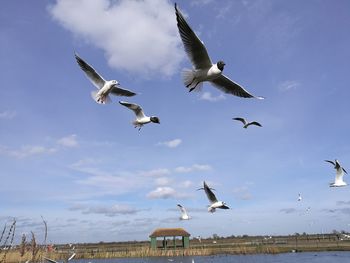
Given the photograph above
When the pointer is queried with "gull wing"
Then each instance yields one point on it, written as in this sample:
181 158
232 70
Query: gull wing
344 170
212 198
194 47
330 162
240 119
255 123
90 72
226 85
119 91
224 207
71 257
135 108
183 210
50 260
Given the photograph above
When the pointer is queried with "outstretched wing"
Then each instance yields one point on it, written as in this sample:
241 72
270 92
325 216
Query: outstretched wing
119 91
255 123
226 85
50 260
134 107
90 72
194 47
71 257
212 198
240 119
330 162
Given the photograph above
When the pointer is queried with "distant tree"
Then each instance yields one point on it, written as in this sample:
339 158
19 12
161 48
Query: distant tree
215 236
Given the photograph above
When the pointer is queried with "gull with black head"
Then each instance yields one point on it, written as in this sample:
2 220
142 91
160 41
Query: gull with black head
214 203
204 69
141 118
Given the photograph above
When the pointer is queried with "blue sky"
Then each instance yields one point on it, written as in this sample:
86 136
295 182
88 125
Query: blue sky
93 177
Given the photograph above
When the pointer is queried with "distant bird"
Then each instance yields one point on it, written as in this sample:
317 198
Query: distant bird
212 199
141 118
299 197
105 87
204 69
339 174
184 215
308 209
246 123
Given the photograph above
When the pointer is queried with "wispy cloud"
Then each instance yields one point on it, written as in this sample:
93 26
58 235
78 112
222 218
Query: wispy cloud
68 141
155 172
288 85
162 193
105 210
26 151
343 202
288 210
171 144
193 168
7 115
209 97
148 21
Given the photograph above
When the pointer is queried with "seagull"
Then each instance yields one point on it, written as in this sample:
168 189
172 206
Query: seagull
141 118
54 261
339 174
184 215
213 200
204 69
246 123
299 197
105 87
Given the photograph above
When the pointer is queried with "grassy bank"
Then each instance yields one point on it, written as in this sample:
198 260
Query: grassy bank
239 245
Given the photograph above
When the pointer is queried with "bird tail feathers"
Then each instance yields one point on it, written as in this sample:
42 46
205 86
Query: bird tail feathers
189 79
100 99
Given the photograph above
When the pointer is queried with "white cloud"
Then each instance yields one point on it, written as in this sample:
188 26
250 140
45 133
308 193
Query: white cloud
68 141
136 36
162 193
7 115
209 97
155 172
193 168
288 85
171 144
26 151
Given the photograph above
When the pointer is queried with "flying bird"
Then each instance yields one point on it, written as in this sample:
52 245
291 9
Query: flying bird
339 174
204 69
214 203
105 87
184 215
246 123
299 197
141 118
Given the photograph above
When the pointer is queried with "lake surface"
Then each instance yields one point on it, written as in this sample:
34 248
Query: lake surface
319 257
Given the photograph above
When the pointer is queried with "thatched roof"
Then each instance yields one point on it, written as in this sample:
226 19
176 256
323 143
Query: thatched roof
169 232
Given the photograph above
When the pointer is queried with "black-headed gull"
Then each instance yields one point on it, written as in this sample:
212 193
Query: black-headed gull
184 215
246 123
105 87
141 118
204 69
339 174
214 203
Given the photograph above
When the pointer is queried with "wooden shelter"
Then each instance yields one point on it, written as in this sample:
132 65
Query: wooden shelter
166 243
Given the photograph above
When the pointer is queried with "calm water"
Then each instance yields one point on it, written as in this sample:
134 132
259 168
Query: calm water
320 257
